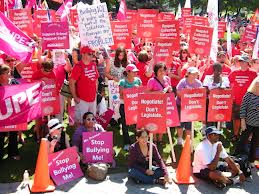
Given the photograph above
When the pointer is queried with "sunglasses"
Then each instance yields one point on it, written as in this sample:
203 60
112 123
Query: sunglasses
9 60
48 70
91 119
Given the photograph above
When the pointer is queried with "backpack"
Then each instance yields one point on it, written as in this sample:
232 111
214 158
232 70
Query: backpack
244 164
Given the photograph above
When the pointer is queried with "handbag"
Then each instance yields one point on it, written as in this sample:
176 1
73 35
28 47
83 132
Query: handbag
65 89
97 171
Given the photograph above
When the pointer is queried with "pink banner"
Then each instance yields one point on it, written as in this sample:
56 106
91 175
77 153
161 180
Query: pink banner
19 127
20 103
55 35
64 166
105 118
13 41
63 10
98 147
172 119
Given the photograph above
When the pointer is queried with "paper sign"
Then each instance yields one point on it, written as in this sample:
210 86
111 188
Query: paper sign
74 18
132 14
200 21
19 127
114 94
147 21
152 112
28 70
163 50
64 166
2 6
166 16
105 118
130 97
193 104
220 105
200 41
98 147
55 35
94 25
188 22
121 32
171 111
169 29
22 19
249 35
50 99
221 29
186 12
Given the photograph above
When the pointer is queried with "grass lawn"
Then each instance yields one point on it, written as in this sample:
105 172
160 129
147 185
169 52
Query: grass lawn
12 171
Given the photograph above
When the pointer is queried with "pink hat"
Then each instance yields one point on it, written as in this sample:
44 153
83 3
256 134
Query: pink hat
131 67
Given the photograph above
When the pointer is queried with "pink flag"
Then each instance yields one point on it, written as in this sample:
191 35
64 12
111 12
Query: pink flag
63 11
122 11
20 103
13 41
30 3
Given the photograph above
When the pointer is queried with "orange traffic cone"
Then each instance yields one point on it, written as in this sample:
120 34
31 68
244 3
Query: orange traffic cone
42 182
183 172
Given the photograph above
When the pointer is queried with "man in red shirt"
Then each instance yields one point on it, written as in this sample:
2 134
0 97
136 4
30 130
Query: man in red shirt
240 80
83 84
221 58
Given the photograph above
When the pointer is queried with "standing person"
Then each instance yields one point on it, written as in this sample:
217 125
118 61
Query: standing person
83 84
240 80
249 114
13 153
160 83
138 162
175 72
190 81
131 80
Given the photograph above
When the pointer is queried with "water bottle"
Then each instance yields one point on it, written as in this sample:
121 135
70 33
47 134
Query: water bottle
26 177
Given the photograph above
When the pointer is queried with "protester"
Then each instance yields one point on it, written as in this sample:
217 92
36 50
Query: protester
138 162
13 152
249 114
89 125
115 69
240 80
206 163
184 55
189 82
160 83
175 72
57 138
83 84
130 81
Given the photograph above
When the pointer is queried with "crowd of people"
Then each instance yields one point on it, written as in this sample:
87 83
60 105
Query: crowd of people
86 71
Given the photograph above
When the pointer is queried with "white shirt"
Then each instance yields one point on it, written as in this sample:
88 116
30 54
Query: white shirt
205 153
208 82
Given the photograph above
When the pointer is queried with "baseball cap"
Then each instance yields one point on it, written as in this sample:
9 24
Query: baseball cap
131 67
221 53
54 124
244 58
212 130
192 70
86 49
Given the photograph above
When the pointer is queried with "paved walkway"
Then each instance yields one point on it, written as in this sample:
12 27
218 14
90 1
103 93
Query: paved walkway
119 184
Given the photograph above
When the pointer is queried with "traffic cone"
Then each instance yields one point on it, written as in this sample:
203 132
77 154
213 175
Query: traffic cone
42 182
183 172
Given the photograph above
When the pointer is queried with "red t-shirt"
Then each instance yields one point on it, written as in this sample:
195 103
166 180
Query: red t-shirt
38 75
142 67
226 70
85 76
174 66
240 81
60 73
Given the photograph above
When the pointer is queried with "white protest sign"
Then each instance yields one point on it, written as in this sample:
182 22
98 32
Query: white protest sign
94 25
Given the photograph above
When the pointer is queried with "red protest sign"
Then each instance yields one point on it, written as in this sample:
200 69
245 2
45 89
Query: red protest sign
132 14
193 104
200 21
166 16
163 50
220 105
186 12
49 98
55 35
74 18
22 19
169 29
42 16
64 166
147 21
105 118
172 119
28 70
200 41
221 29
250 34
121 32
2 6
187 24
19 127
130 97
152 112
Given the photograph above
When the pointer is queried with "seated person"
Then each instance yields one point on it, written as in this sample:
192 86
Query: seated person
57 138
206 164
139 162
89 125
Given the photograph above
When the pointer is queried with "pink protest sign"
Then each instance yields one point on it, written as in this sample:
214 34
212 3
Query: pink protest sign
98 147
55 35
64 166
105 118
19 127
50 99
28 70
172 119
